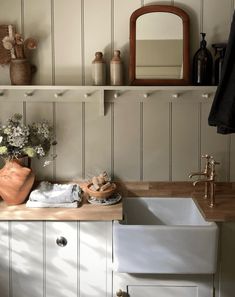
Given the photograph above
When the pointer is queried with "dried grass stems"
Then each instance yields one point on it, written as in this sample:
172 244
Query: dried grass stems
16 44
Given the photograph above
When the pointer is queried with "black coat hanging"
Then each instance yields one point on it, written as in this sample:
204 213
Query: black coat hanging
222 112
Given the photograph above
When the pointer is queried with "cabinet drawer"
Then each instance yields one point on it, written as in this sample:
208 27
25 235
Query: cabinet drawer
163 291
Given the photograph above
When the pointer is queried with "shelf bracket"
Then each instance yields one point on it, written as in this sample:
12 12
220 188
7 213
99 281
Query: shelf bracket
101 103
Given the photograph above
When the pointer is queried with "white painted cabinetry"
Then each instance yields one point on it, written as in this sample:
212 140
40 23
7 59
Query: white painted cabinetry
33 264
137 285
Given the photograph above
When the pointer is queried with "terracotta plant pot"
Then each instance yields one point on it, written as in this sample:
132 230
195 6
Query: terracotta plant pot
16 182
20 72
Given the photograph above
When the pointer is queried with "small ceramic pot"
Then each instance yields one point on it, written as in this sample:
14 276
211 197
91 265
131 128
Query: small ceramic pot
16 181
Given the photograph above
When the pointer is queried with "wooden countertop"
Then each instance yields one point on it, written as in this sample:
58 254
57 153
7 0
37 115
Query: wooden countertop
224 211
86 212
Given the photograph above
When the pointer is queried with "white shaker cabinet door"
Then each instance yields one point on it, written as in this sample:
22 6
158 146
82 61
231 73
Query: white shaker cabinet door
4 259
26 259
95 259
61 259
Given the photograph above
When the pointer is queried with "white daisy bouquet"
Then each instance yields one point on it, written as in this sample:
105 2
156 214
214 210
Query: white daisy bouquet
18 140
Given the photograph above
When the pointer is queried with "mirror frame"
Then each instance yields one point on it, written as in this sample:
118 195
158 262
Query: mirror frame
132 64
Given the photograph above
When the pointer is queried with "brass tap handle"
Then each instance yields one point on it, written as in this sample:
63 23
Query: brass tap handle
206 156
119 293
213 163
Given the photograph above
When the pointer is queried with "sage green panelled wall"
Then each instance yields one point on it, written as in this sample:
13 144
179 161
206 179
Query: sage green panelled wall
154 139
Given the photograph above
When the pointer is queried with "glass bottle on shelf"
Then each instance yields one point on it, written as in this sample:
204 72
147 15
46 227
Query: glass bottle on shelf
202 64
98 70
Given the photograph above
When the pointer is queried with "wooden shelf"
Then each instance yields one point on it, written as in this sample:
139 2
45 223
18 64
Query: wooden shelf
99 94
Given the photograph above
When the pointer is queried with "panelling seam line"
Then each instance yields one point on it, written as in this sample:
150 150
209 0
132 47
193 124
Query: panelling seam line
201 15
10 258
78 259
112 139
170 141
54 146
83 42
199 135
141 140
44 256
112 26
52 42
22 17
83 140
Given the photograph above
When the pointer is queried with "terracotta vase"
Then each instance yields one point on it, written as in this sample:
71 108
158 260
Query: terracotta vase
20 72
16 182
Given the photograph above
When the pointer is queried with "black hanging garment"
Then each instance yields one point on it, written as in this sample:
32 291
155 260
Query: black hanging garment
222 112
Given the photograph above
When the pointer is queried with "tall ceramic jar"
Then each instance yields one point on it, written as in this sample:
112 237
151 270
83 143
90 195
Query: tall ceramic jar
98 70
116 69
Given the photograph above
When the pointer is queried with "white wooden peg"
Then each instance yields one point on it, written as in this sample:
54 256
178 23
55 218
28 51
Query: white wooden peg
86 95
205 95
57 95
146 95
176 95
28 94
116 95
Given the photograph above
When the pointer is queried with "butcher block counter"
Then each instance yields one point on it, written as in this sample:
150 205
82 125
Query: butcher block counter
224 211
86 212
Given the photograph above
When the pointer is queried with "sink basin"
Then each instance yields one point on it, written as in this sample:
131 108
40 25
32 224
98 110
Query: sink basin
164 235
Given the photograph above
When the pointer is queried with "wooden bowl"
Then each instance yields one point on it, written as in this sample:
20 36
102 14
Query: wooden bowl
100 194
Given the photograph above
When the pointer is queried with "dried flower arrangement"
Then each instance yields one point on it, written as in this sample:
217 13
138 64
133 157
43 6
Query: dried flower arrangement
16 44
18 140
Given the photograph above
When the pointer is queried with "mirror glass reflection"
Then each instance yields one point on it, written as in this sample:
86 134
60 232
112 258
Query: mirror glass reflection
159 46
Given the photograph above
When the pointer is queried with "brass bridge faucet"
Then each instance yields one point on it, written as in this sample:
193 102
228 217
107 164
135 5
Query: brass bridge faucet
205 172
209 181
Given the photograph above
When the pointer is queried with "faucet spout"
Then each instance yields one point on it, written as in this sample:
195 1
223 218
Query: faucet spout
201 181
197 174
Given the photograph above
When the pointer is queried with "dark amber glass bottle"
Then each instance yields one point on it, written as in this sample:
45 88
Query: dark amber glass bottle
202 65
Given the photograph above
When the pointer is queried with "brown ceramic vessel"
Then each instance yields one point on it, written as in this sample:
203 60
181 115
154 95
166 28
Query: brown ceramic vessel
16 182
20 72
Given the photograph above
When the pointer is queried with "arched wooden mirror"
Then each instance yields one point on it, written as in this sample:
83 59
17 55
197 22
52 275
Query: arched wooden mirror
159 46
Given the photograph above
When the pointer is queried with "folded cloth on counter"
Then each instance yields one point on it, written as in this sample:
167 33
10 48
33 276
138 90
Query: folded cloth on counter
55 195
38 204
222 112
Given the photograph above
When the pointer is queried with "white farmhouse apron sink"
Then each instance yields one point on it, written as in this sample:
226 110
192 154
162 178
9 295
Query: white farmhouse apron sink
164 235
